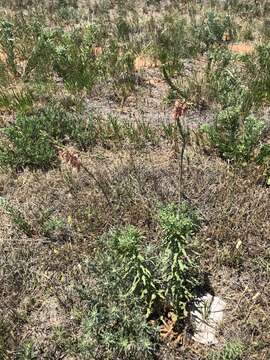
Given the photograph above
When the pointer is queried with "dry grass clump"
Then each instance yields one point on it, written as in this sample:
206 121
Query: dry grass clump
241 48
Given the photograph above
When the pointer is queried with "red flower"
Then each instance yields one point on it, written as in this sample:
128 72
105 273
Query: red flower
179 110
70 157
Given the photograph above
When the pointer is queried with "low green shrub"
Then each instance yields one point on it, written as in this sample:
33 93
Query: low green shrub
235 139
233 350
213 28
117 66
28 141
115 324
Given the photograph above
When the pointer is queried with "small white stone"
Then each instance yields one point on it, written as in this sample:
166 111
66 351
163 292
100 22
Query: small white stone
207 317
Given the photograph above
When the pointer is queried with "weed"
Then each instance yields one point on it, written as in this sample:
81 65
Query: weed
27 351
180 262
235 139
7 44
257 72
233 350
26 142
17 218
118 67
116 322
16 100
213 29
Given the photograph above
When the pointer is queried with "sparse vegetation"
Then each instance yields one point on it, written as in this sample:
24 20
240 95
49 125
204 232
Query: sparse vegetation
134 177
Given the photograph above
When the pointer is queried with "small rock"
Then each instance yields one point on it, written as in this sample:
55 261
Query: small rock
207 317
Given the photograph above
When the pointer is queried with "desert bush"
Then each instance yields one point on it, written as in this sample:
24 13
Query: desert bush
28 141
73 61
40 59
33 141
213 28
115 324
111 330
235 138
223 79
53 226
174 41
68 54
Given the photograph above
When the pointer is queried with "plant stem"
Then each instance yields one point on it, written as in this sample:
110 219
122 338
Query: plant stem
183 135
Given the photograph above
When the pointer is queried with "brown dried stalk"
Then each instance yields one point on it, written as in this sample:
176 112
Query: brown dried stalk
179 111
70 157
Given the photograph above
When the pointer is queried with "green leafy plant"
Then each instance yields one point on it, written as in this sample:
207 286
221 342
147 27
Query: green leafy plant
174 42
236 139
223 79
76 67
233 350
116 321
136 268
110 330
180 261
27 141
134 284
214 27
27 351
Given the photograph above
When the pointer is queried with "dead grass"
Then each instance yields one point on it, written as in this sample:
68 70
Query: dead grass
241 48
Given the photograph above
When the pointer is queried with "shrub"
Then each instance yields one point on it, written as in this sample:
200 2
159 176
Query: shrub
68 54
117 66
113 330
174 42
28 141
136 269
213 29
223 78
235 139
73 61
